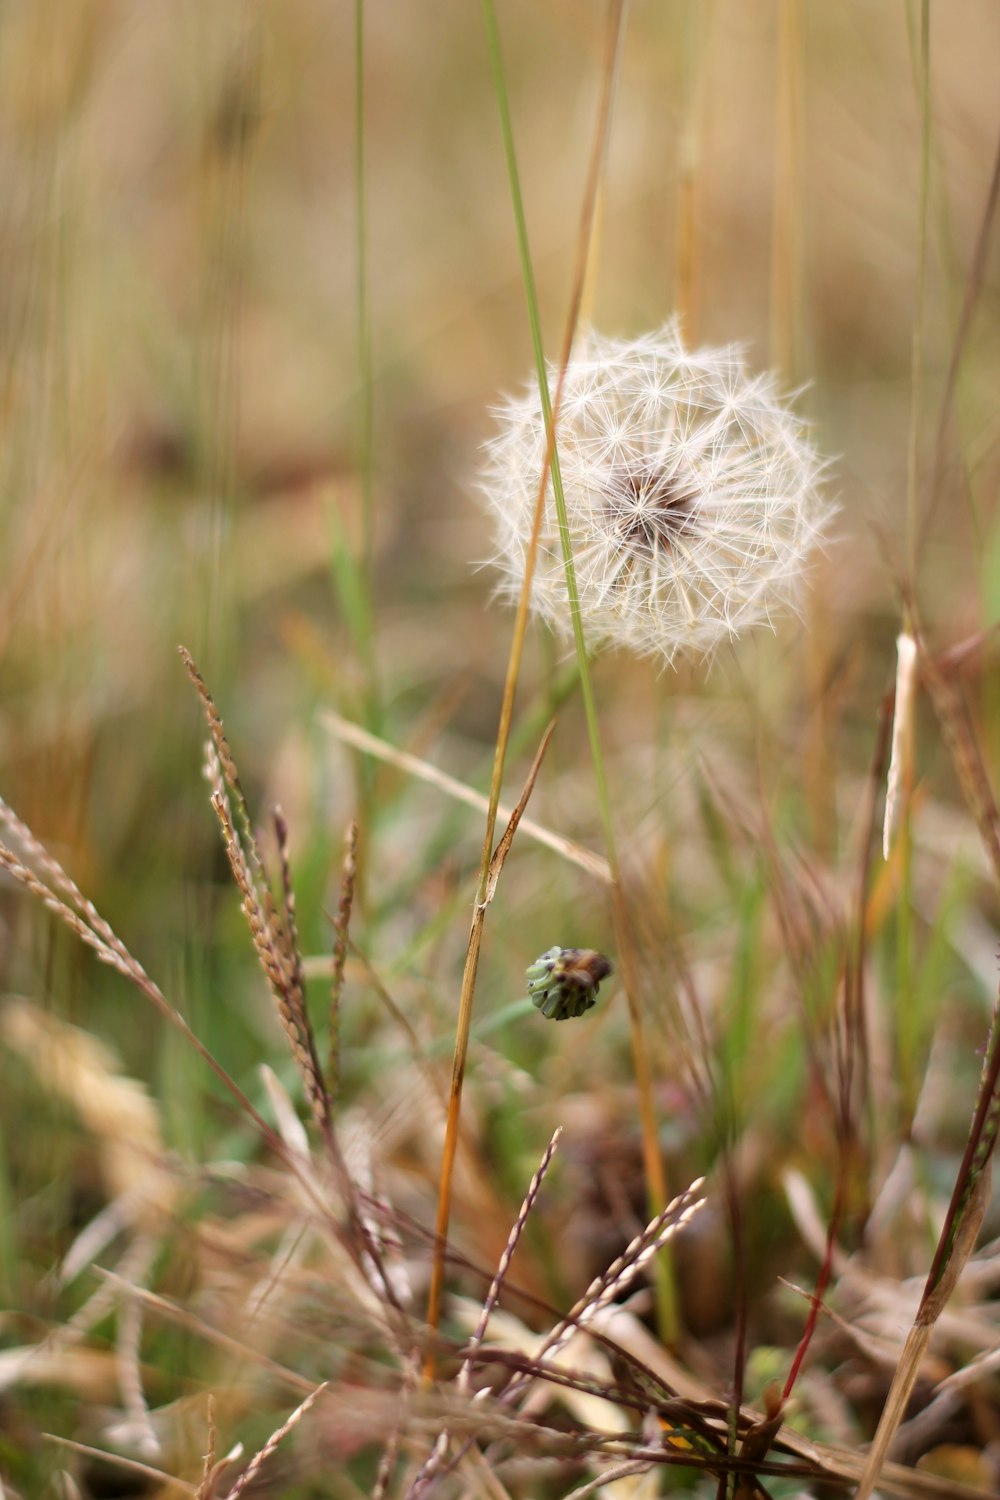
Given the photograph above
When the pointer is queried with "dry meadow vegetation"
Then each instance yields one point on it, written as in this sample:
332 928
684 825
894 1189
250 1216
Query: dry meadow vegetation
254 318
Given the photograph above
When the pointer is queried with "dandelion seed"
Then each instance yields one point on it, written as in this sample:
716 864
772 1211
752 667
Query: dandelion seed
692 495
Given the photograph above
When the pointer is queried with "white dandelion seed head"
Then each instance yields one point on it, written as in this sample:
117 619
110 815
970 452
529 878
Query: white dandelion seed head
692 495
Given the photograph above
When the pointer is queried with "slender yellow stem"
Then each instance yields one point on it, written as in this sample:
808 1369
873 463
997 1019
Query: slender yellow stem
464 1022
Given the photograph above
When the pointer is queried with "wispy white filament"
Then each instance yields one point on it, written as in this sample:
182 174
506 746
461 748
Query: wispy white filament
692 495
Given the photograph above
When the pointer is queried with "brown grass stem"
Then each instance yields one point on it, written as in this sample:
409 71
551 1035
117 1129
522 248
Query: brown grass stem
592 864
464 1022
165 1483
439 1452
487 889
260 1458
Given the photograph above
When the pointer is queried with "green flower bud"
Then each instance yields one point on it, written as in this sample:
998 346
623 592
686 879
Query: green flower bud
564 981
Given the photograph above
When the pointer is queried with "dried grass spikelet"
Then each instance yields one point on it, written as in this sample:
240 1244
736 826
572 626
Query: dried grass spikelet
692 495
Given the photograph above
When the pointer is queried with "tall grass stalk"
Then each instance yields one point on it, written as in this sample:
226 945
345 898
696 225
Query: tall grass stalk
905 1009
463 1026
354 564
653 1161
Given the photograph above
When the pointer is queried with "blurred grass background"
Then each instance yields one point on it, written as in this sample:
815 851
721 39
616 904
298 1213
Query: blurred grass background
180 411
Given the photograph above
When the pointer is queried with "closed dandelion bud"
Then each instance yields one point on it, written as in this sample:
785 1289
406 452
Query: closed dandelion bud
692 495
564 981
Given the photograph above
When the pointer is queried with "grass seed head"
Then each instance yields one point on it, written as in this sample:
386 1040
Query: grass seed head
692 495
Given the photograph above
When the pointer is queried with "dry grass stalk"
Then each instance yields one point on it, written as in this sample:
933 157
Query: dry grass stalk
238 1349
487 889
542 1366
166 1484
291 930
620 1274
387 1462
352 734
59 895
464 1379
341 926
283 971
274 935
275 941
615 33
702 1424
208 1463
138 1427
227 764
260 1458
493 1294
609 1476
855 1070
50 885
